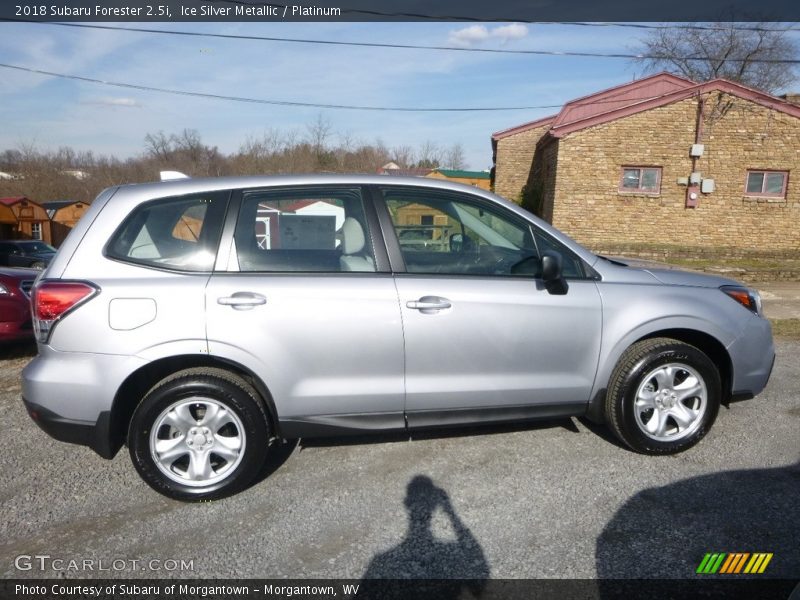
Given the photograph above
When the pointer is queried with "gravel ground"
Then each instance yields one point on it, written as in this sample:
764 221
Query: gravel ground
558 499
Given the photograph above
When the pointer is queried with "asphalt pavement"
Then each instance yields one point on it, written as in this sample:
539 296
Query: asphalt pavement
559 499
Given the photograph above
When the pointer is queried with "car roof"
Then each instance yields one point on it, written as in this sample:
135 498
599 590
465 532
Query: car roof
191 184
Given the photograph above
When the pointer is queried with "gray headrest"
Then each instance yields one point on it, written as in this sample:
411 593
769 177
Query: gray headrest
352 236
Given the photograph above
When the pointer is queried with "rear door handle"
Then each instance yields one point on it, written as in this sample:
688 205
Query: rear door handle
242 300
429 304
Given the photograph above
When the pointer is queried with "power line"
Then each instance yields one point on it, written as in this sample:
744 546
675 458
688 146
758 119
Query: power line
272 102
412 46
147 88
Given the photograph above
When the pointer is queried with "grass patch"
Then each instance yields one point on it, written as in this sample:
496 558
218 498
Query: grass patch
786 328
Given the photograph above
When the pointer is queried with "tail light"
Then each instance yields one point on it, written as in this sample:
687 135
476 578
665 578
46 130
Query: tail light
52 300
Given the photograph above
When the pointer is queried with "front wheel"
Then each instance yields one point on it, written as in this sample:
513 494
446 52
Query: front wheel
663 396
199 434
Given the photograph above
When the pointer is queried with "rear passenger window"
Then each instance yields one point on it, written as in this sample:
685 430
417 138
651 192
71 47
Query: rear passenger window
178 233
296 230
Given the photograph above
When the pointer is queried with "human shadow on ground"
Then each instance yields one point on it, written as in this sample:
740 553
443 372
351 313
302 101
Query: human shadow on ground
422 563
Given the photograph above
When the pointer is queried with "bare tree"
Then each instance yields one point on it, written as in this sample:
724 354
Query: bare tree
158 145
403 156
318 132
67 173
430 155
732 51
454 157
189 143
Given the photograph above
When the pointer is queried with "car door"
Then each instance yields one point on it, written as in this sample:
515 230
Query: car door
304 298
12 254
484 339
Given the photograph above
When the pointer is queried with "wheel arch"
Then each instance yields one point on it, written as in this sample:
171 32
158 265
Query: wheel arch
705 342
139 382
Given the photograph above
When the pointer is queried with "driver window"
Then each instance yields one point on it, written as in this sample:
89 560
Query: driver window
447 233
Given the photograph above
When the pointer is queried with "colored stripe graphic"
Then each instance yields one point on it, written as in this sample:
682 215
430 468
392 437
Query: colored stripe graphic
741 562
733 563
703 564
758 563
711 563
732 558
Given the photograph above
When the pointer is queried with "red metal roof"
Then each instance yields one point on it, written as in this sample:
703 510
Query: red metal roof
637 96
628 94
498 135
721 85
12 200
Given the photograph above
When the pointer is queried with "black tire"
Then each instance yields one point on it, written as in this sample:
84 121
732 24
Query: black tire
188 396
636 373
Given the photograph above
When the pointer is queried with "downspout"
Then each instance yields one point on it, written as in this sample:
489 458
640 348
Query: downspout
698 129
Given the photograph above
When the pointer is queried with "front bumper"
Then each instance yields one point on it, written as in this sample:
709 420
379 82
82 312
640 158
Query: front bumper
96 434
752 356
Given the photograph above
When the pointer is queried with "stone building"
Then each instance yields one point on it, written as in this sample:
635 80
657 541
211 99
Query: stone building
662 162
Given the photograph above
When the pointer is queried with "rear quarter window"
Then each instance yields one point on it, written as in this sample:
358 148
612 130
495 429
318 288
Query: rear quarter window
178 233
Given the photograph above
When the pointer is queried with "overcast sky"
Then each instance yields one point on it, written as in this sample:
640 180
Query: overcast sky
52 112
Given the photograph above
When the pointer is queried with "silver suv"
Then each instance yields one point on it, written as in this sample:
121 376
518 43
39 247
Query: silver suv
198 321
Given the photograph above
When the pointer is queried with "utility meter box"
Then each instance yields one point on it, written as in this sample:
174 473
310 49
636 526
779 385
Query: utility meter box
697 150
692 196
707 186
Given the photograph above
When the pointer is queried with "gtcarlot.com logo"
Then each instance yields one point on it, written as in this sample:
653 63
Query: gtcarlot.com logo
45 562
734 563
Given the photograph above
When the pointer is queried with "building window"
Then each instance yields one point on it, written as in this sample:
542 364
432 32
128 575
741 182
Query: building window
36 231
426 220
770 184
641 179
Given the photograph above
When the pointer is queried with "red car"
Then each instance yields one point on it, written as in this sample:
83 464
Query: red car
15 307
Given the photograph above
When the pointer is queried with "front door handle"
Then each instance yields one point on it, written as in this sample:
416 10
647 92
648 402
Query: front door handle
429 304
242 300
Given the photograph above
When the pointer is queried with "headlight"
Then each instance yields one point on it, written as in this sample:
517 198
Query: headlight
748 298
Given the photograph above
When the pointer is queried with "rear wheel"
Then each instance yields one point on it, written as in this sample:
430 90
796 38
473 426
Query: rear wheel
199 434
663 396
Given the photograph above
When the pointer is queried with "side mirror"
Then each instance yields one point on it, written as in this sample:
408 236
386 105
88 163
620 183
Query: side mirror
552 273
456 242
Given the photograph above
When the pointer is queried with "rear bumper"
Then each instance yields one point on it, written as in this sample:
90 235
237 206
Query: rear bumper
70 395
95 434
